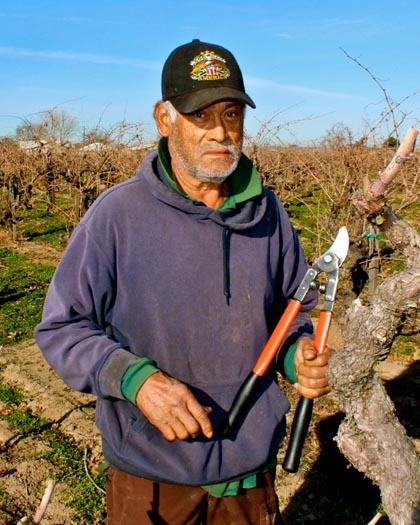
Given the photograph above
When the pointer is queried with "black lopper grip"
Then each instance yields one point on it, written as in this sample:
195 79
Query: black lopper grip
241 402
300 427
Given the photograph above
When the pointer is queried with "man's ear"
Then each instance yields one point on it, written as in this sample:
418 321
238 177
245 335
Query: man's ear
163 119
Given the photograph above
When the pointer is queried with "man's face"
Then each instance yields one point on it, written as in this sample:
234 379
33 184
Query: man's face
207 145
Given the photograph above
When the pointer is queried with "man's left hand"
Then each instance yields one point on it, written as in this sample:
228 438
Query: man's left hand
311 369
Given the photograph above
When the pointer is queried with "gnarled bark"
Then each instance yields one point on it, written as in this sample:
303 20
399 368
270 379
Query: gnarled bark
371 437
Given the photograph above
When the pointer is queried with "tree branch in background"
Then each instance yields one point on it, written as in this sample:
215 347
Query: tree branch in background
392 106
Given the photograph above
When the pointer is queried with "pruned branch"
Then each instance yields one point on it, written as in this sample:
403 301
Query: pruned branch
375 520
85 465
40 512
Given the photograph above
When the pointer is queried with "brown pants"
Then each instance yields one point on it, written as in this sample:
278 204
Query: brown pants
136 501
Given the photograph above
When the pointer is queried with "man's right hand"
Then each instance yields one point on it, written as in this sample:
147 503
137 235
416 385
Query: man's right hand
172 408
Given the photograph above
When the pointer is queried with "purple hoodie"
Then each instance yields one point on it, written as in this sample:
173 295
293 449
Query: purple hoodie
149 273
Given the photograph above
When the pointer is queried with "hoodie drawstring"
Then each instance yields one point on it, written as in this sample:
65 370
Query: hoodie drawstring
226 272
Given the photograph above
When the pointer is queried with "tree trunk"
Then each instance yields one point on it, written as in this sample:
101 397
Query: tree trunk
371 437
14 198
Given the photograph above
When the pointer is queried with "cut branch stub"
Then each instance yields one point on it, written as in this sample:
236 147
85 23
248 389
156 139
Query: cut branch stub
371 202
403 153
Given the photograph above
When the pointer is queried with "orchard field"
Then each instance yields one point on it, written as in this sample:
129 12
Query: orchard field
47 431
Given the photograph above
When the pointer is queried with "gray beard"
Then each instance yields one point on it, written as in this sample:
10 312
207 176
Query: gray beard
204 175
215 178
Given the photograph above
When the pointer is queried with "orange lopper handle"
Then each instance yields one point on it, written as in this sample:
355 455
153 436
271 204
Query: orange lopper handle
249 386
276 338
322 331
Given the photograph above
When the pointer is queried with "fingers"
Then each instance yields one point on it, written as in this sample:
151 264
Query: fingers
171 407
201 423
311 378
312 389
311 369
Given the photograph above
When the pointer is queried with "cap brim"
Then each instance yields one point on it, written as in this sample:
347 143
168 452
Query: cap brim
192 102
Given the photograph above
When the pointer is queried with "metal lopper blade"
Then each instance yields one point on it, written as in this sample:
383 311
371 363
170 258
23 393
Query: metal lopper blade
340 246
334 257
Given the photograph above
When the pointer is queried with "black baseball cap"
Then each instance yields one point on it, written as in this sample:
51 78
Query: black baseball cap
198 74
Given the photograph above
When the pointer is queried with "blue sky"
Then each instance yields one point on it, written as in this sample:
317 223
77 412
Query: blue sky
101 61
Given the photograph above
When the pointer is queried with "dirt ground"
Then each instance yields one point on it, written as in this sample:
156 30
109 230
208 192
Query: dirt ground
23 475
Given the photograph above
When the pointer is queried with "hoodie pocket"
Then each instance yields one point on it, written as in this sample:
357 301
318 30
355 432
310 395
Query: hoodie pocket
205 461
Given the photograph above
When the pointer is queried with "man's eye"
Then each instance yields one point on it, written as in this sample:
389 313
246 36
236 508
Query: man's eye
199 114
234 116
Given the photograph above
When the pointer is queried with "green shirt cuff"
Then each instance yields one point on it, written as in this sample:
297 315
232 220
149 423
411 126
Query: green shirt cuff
232 488
289 363
134 377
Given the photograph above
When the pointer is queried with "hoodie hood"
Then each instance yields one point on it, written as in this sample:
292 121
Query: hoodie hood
245 215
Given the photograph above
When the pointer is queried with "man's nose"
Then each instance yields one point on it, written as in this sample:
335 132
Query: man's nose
218 130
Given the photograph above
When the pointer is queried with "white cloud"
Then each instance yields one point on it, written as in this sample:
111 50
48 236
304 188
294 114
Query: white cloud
261 83
79 57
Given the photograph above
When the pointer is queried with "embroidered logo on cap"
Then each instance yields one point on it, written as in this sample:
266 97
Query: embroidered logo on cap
209 66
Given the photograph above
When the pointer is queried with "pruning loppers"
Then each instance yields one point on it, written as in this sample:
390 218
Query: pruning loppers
328 263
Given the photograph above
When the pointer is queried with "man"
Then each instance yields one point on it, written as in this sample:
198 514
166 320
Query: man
165 297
